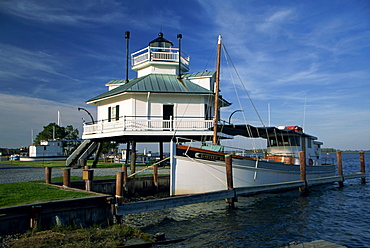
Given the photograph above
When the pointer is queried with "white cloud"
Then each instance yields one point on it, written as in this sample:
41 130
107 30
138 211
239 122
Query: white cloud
273 22
66 12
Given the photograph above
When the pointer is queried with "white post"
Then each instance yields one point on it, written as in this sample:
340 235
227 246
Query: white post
124 123
172 167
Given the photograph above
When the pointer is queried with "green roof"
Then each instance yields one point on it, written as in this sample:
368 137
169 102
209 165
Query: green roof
200 74
159 83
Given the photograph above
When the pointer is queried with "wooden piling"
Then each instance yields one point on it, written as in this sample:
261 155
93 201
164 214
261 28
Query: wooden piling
340 168
133 163
48 175
88 176
66 177
133 158
362 166
229 178
302 166
119 187
155 176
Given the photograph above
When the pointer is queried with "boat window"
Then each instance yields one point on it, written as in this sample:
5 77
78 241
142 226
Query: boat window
284 141
309 141
295 141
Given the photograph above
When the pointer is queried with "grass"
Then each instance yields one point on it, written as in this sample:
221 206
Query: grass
12 194
111 236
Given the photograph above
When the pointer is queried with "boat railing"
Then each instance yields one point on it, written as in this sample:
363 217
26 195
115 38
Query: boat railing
328 160
148 123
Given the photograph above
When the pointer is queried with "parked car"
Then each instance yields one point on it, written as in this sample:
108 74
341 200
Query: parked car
14 157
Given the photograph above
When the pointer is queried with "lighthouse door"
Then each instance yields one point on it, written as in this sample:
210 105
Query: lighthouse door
168 117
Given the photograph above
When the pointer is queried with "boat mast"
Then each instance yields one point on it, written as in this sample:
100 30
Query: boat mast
217 91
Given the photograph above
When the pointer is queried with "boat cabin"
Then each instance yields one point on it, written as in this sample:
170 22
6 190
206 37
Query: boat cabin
283 143
285 146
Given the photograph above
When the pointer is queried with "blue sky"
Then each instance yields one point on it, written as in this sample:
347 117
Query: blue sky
308 60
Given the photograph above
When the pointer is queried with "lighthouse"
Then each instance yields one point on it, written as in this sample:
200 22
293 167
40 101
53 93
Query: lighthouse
164 102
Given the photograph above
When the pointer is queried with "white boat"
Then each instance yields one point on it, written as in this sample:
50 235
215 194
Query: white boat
202 169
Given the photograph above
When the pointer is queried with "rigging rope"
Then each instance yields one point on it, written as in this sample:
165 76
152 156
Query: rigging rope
148 167
250 99
203 166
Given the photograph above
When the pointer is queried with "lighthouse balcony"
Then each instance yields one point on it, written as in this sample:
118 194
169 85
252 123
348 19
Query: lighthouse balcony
144 125
159 54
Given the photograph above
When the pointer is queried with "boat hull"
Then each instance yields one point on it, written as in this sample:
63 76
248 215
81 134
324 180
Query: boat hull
193 175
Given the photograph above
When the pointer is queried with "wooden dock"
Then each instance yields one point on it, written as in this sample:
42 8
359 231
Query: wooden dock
171 202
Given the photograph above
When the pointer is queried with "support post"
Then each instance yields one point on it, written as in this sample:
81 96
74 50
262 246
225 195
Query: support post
88 177
124 170
127 152
155 176
340 168
362 166
133 158
34 221
302 166
97 153
161 151
48 175
66 177
229 178
119 187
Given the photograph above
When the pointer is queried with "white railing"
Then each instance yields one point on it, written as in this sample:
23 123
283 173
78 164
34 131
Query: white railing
146 124
159 54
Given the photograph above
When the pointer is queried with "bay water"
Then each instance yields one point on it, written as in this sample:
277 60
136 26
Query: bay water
336 214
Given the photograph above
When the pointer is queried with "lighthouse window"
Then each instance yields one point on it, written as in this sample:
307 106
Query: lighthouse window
113 113
207 112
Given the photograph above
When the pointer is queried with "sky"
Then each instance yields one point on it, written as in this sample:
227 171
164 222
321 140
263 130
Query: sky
303 63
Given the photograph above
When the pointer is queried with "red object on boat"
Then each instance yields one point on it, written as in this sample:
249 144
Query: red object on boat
295 128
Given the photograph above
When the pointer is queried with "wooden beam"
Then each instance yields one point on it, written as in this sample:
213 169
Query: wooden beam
137 207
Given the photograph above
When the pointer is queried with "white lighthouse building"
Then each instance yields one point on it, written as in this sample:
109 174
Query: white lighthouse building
163 102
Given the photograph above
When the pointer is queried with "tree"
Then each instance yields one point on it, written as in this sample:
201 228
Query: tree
109 147
68 135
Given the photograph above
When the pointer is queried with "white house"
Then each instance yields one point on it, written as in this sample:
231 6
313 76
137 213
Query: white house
46 148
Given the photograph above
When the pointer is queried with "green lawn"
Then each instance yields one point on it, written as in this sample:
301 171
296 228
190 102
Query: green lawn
12 194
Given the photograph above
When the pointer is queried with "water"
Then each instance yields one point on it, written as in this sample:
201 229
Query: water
338 215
